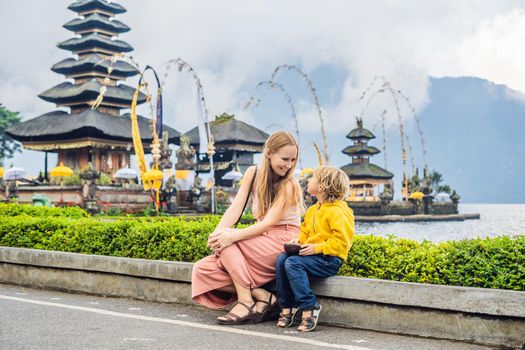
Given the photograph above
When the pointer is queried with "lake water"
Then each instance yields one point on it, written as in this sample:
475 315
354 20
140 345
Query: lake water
496 220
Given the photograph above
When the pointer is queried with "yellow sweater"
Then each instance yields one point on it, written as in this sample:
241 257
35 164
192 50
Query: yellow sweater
330 226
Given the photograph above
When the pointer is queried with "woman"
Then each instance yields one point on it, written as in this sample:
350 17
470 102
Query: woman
244 259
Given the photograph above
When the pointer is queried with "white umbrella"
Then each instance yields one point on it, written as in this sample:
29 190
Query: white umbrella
126 173
232 175
14 173
442 197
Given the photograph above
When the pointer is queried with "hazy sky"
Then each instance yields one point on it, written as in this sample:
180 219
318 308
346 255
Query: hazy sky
342 45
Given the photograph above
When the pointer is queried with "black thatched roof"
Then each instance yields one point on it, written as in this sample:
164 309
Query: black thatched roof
82 93
360 133
366 170
227 130
59 125
96 21
87 5
95 40
360 150
94 63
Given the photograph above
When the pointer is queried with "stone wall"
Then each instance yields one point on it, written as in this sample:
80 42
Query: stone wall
478 315
130 200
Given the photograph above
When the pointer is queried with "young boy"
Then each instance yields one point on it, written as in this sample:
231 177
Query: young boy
325 238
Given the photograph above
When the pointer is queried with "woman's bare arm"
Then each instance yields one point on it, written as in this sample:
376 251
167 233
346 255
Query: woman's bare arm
235 209
272 217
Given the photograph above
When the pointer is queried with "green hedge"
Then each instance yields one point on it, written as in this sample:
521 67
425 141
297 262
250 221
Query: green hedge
491 262
12 209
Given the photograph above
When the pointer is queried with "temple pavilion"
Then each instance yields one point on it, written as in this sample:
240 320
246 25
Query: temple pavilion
83 134
235 143
364 176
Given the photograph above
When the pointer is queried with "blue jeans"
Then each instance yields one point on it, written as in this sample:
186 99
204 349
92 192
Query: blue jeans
292 272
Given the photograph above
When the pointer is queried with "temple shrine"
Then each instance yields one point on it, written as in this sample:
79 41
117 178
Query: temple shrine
82 134
364 176
235 144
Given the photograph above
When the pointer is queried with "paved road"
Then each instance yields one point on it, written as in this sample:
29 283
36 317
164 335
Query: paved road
41 319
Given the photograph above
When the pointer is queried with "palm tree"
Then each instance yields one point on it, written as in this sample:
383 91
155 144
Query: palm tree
435 179
8 146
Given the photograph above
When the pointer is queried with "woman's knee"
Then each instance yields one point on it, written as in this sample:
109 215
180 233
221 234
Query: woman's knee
229 250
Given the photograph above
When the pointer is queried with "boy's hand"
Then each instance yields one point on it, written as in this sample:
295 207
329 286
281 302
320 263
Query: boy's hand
307 249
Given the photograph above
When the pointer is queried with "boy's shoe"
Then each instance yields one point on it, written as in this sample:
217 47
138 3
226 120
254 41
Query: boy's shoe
287 320
310 322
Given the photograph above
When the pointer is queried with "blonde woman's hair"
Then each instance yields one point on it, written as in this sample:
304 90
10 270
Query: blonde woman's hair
333 182
267 190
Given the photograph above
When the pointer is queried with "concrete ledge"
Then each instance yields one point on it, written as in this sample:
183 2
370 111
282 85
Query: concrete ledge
416 218
176 271
484 316
483 301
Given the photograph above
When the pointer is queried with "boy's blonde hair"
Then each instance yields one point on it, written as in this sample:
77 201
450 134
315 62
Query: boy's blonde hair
334 183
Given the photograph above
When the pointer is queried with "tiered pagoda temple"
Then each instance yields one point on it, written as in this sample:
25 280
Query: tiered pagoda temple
234 141
82 135
364 176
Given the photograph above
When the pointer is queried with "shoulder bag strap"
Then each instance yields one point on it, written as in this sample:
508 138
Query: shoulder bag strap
247 198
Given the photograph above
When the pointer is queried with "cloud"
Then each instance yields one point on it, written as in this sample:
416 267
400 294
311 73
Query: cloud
234 44
493 51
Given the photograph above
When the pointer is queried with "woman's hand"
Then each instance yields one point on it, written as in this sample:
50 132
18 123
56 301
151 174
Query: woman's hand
222 238
307 249
212 238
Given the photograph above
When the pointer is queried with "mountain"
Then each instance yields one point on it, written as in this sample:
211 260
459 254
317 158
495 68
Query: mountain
474 132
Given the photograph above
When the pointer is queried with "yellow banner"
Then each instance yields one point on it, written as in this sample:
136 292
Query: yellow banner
137 141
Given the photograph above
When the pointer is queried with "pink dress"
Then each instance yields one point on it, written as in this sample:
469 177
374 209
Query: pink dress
249 262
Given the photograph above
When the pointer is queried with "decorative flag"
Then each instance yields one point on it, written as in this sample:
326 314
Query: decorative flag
137 142
203 133
159 111
319 156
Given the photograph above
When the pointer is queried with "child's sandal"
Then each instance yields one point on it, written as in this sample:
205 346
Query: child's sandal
286 320
310 322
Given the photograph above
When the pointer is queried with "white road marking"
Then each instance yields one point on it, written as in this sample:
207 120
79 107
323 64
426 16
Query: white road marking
134 308
189 324
138 339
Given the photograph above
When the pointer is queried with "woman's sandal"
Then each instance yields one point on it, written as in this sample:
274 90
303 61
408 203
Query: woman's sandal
232 319
310 322
286 320
270 310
